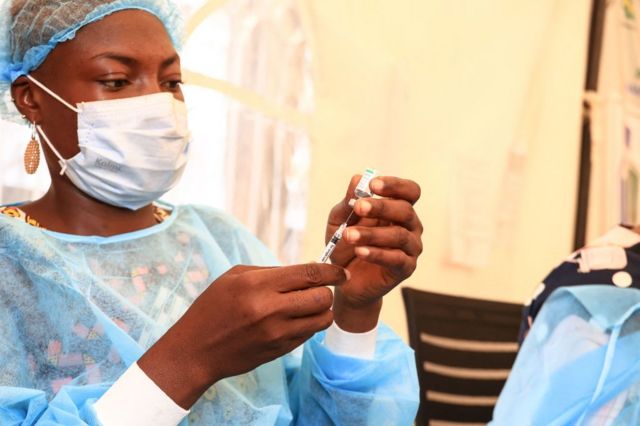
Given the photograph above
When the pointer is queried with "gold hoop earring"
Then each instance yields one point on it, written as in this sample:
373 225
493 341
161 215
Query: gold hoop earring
32 153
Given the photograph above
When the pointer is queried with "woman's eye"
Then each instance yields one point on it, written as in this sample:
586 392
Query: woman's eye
114 84
174 84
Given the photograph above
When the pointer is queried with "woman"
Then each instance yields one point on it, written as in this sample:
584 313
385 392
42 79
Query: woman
117 309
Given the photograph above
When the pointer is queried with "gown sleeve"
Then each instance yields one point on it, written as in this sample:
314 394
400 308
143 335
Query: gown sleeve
326 388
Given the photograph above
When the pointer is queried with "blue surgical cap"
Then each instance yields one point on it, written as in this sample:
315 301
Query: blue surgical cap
33 28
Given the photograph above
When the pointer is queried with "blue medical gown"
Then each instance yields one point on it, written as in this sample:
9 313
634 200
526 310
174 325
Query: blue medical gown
75 312
580 363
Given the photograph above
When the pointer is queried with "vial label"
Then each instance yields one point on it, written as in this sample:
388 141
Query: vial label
363 190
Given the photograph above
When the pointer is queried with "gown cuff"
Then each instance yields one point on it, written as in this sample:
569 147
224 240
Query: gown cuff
354 345
134 399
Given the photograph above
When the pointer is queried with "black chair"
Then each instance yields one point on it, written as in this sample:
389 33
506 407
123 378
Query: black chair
464 351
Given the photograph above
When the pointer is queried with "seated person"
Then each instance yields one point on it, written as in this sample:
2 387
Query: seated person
613 259
579 362
579 365
118 309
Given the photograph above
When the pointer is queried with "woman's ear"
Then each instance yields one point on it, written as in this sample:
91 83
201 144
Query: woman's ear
22 94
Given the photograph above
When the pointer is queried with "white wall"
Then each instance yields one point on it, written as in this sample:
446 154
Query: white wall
424 89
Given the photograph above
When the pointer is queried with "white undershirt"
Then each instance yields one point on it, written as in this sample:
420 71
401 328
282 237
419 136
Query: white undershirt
134 399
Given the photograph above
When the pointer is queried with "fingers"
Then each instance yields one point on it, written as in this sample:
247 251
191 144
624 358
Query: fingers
392 259
305 303
391 237
395 211
308 326
388 187
240 269
300 277
393 187
289 334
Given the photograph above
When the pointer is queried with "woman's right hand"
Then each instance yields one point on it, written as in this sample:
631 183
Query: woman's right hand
247 317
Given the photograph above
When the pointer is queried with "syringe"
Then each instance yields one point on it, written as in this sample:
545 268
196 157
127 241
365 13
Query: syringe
362 191
331 246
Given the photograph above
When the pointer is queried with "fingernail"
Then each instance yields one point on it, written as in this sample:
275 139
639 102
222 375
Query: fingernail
348 274
377 185
363 251
353 235
365 207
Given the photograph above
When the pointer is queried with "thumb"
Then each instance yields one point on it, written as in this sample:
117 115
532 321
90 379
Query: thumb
342 210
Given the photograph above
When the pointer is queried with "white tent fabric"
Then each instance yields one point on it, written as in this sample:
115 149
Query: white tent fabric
615 114
410 87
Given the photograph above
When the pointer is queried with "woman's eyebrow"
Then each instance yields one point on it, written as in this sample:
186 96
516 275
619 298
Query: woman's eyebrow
170 61
126 60
131 61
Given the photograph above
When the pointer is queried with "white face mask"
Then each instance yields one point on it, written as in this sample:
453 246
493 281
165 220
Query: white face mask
132 150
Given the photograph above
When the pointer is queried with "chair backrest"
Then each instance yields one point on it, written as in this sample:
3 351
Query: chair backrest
464 352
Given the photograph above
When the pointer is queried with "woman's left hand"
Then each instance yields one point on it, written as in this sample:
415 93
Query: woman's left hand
380 249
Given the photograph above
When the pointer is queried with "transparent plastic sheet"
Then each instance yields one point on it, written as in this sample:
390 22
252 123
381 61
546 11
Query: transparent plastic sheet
77 311
579 363
269 160
270 150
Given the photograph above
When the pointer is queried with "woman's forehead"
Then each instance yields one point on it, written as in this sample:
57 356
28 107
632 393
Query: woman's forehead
130 35
127 29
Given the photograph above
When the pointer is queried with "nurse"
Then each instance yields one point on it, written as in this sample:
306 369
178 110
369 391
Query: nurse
117 308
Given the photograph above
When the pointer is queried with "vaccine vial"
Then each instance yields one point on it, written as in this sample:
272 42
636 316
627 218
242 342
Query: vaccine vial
363 190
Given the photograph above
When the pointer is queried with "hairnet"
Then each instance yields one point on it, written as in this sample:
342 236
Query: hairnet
33 28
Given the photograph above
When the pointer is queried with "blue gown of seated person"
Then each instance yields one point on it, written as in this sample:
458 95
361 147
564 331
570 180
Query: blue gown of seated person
75 312
580 363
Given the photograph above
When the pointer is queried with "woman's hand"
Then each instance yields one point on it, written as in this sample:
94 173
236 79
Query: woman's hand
247 317
380 249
